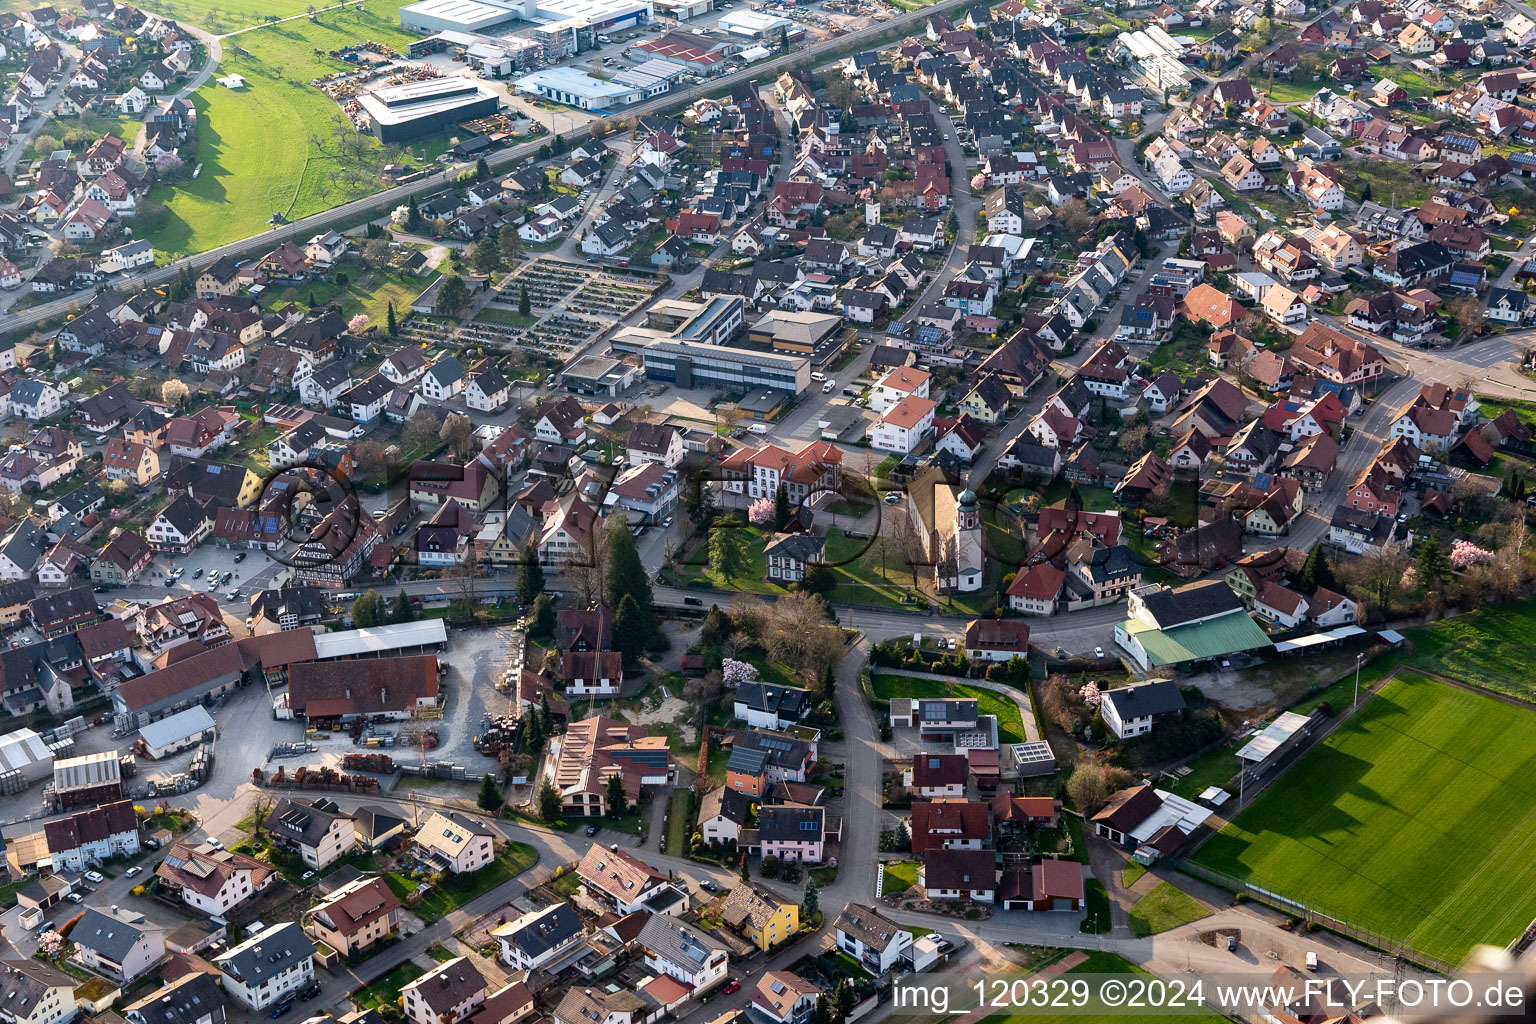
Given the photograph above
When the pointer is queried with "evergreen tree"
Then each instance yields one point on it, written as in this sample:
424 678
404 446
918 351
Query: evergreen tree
1316 572
903 837
698 501
412 216
549 801
485 257
403 611
617 803
391 325
490 798
625 574
1432 563
530 577
843 1001
533 733
717 626
828 681
822 1014
630 630
810 906
818 579
781 509
524 303
726 556
746 868
541 619
1365 193
452 296
482 169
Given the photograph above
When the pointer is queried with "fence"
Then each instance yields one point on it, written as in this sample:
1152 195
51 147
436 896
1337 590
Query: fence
1312 916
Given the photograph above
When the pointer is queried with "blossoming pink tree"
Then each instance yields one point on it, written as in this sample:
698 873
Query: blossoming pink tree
760 512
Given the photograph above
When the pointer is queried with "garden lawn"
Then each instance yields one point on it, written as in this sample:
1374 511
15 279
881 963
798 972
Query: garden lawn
1493 407
1010 725
458 890
1107 963
385 991
272 146
1164 908
899 878
367 291
1098 918
1416 819
677 823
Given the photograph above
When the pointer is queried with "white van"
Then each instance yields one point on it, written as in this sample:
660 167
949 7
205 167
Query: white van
818 376
828 386
1311 961
759 428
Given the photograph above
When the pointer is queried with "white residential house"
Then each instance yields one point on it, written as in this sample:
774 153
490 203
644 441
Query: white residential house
455 843
488 391
877 943
117 943
904 425
35 399
268 967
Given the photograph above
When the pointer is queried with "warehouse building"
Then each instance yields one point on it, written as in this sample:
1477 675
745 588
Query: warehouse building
179 732
583 19
87 779
756 25
579 89
24 759
399 113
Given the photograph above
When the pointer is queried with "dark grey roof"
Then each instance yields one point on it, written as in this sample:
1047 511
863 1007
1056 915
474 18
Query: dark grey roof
746 761
802 547
374 822
267 955
186 1000
791 824
782 701
108 936
677 943
1158 697
303 821
554 926
1191 602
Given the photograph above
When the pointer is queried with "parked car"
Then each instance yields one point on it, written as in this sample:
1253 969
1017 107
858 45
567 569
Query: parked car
689 599
132 871
75 897
93 876
731 986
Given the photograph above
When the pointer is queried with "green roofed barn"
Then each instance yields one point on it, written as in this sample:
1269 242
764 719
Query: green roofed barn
1195 622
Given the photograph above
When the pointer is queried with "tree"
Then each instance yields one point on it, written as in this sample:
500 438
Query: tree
839 90
412 216
541 618
727 556
626 575
1365 193
530 576
630 630
843 1002
1075 216
421 430
1467 311
459 434
490 798
524 304
760 512
818 579
1133 440
482 169
698 501
717 626
1431 563
618 804
781 509
549 802
452 297
746 868
810 905
534 732
1317 572
391 325
485 257
403 612
368 610
508 243
358 324
376 253
174 392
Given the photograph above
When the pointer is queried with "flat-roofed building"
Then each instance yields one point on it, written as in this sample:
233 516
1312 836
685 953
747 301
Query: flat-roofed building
399 113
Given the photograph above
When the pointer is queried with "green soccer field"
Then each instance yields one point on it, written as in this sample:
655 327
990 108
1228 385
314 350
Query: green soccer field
1415 820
